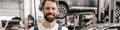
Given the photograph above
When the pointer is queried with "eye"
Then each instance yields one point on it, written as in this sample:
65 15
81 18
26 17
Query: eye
53 8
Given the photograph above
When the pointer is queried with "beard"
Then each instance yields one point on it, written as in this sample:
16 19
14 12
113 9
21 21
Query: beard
48 19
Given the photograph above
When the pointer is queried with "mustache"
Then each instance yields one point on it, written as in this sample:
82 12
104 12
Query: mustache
55 16
49 14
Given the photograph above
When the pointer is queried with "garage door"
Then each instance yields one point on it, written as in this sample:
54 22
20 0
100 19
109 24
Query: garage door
9 7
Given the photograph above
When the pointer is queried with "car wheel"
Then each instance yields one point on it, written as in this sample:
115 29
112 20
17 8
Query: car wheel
117 12
62 12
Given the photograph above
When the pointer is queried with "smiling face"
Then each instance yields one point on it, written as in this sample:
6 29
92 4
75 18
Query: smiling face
50 11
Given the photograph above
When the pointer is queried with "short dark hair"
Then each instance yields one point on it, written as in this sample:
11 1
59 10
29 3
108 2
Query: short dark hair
44 1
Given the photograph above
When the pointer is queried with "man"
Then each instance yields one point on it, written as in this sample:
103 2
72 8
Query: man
50 11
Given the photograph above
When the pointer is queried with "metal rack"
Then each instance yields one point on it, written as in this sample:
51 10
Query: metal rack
79 16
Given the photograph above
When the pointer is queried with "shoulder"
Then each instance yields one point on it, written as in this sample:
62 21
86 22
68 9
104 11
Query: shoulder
32 28
64 28
39 26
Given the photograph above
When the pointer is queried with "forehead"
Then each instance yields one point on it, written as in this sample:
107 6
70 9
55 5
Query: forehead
50 4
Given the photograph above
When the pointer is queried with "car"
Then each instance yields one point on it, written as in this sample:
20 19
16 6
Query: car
76 6
104 26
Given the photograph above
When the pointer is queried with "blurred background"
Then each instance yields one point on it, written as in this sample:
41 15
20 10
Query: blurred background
73 14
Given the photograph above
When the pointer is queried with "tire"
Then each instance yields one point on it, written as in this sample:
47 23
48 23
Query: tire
117 12
62 12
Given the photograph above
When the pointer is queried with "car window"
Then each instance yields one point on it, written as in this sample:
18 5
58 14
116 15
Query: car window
85 3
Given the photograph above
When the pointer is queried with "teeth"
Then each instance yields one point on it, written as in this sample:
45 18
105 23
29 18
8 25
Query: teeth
50 16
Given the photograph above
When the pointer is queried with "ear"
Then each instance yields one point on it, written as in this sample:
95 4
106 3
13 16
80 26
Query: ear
42 10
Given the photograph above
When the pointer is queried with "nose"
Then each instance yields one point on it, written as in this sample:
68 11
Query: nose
50 10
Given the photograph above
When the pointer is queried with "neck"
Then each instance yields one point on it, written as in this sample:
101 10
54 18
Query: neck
48 24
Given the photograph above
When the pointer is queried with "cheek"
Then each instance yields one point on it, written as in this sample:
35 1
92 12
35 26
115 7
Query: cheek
56 12
44 12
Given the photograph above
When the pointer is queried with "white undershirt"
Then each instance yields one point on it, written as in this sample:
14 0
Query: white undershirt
41 27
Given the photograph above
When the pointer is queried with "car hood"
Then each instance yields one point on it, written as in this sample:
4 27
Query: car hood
100 26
